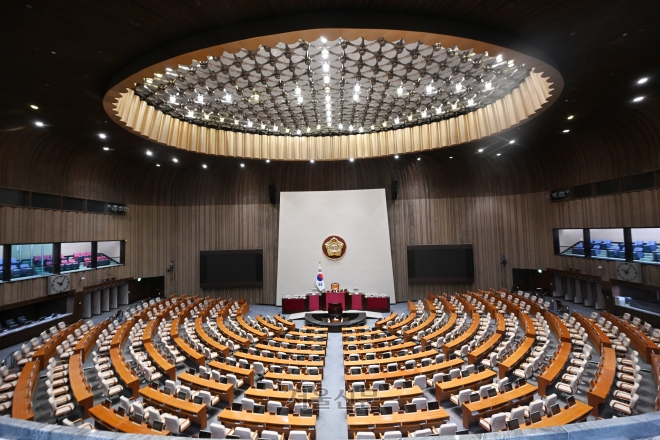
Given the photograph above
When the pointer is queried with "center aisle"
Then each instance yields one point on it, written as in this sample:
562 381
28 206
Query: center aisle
332 422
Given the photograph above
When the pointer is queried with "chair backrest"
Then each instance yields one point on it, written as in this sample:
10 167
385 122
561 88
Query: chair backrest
498 422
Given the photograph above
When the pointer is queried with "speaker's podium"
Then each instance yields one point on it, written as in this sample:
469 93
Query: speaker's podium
335 297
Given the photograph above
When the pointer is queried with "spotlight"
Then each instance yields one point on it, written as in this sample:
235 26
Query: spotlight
39 124
267 160
639 98
325 53
351 159
481 150
419 158
566 131
311 161
204 166
570 117
242 165
512 142
106 148
102 136
396 156
641 81
149 153
175 160
451 157
499 154
34 107
157 164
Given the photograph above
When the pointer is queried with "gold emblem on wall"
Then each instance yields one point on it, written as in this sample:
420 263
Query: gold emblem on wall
334 247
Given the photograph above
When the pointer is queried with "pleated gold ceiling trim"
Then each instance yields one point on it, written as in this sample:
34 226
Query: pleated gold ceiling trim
508 111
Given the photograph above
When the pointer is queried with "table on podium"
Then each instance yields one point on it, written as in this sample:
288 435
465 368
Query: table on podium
333 297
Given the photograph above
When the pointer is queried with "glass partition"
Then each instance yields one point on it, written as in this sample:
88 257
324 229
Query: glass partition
608 244
644 245
75 256
109 253
571 242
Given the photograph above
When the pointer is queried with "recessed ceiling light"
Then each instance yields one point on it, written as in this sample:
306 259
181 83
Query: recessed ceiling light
204 166
34 107
102 136
451 157
149 153
642 80
39 124
419 158
312 161
157 164
570 117
396 156
566 131
175 160
351 159
499 154
639 98
242 165
106 148
512 142
481 150
267 160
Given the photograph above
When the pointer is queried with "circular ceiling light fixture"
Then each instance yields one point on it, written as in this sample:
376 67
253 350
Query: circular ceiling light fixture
307 85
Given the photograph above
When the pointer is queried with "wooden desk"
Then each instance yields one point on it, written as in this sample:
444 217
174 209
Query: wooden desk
287 324
243 342
124 371
194 356
369 334
502 402
443 390
376 398
271 327
112 421
223 390
286 398
557 326
297 335
380 424
575 413
410 318
295 378
159 361
298 341
122 334
248 328
272 422
390 377
398 359
484 349
639 341
603 379
182 408
516 357
449 347
408 334
49 349
595 333
21 404
379 350
381 323
241 373
80 389
370 341
356 330
427 339
87 342
275 361
293 351
208 340
655 369
555 366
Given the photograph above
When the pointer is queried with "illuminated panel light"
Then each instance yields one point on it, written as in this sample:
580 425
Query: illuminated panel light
639 98
39 124
34 107
642 80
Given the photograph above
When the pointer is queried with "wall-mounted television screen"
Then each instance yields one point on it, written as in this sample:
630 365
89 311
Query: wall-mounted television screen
231 268
448 263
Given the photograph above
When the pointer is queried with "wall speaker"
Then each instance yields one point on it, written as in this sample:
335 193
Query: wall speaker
395 188
271 193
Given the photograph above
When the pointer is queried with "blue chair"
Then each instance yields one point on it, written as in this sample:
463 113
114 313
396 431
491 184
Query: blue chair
597 241
26 270
656 256
595 250
639 243
579 249
15 272
638 253
614 252
650 246
608 244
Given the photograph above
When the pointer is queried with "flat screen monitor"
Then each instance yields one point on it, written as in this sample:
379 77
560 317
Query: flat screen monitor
428 264
237 407
223 379
295 371
492 392
231 362
408 384
121 412
361 412
204 434
535 417
158 426
555 409
386 410
153 385
231 268
192 371
481 368
198 400
371 357
410 408
374 370
206 376
262 386
383 386
308 389
137 418
358 388
391 368
283 387
474 397
465 373
410 366
181 395
167 390
259 409
570 400
282 411
276 369
522 382
426 362
507 387
512 424
432 406
306 412
446 378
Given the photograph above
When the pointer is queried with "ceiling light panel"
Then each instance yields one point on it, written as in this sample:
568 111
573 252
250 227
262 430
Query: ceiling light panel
361 83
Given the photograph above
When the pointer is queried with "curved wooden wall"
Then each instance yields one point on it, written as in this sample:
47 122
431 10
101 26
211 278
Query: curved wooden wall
497 203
